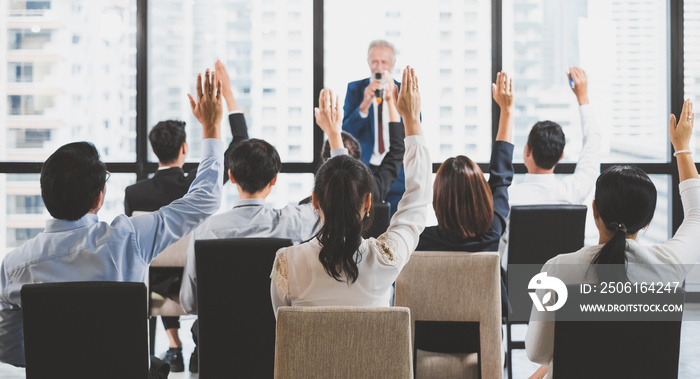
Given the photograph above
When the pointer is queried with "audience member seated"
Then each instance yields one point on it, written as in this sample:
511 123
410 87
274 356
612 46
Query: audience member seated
76 246
472 213
253 168
545 148
339 267
625 200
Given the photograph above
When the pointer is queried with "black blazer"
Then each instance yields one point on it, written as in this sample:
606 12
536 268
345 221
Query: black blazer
171 184
164 187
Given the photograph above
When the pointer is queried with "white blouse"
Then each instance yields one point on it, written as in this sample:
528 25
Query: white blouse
670 259
299 279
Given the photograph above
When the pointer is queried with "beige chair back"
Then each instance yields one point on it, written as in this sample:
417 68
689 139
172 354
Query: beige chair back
455 286
343 342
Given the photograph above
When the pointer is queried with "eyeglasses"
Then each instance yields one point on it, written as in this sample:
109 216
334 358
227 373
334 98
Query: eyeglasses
109 174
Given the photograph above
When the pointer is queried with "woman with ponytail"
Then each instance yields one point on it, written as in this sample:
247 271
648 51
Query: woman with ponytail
625 200
338 266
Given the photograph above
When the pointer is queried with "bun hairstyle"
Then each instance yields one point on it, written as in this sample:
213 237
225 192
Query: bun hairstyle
625 198
342 184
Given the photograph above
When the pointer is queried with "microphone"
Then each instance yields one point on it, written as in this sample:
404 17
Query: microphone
379 93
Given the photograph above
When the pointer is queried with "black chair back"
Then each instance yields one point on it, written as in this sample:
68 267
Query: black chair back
236 321
85 330
540 232
382 216
537 234
616 349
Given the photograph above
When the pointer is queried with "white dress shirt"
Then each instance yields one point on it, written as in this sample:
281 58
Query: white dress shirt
377 158
299 279
571 189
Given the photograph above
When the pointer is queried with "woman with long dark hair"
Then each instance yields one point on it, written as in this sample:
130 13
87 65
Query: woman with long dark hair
625 200
339 267
471 212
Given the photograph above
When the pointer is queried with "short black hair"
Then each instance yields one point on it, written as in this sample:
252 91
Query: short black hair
253 164
167 138
71 179
354 149
547 141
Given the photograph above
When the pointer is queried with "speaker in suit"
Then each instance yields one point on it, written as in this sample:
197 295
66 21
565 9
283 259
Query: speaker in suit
363 129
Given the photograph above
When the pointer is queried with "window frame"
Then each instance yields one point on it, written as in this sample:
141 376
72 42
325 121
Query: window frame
142 167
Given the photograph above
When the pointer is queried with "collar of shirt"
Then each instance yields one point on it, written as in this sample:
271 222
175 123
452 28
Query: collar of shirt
56 225
540 178
249 202
167 167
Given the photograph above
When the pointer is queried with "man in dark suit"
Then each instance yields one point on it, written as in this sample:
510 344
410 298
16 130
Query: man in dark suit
364 112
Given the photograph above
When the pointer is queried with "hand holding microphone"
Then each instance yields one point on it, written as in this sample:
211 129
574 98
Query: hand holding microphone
379 93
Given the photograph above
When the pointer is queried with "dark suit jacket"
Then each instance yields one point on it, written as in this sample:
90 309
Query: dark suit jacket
171 184
353 123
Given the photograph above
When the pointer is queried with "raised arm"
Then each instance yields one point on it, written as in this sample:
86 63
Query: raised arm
501 166
580 184
401 239
683 247
329 117
157 230
385 175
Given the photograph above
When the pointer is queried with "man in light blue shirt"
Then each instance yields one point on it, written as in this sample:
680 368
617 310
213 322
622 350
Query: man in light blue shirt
76 246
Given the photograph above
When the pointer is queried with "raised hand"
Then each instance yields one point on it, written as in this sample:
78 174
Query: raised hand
329 116
503 91
222 74
503 95
580 88
408 102
208 109
681 131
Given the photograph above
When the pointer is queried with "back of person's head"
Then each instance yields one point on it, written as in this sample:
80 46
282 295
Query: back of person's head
354 149
341 188
546 141
71 180
166 139
462 198
253 164
625 199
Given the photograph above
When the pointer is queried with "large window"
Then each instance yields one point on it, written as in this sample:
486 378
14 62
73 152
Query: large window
68 72
267 49
623 47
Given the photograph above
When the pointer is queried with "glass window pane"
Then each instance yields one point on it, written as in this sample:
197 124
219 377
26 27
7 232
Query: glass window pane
25 214
67 73
623 47
450 48
266 47
691 49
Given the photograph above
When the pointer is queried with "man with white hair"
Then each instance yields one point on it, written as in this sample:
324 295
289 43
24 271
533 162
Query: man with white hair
367 119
